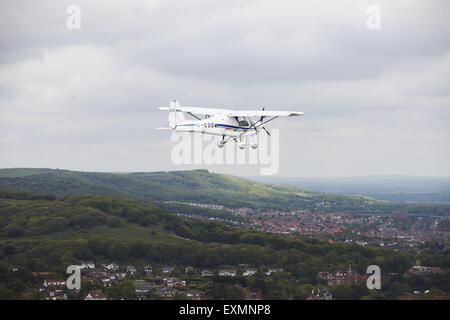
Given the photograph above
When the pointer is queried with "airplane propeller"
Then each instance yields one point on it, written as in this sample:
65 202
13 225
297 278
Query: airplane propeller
262 117
261 120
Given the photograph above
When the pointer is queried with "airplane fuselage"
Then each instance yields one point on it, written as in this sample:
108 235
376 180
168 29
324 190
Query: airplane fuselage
216 125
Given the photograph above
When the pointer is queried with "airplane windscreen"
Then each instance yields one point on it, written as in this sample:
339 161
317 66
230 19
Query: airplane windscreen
243 122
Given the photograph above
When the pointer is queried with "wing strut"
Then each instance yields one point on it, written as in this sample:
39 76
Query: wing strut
190 113
259 125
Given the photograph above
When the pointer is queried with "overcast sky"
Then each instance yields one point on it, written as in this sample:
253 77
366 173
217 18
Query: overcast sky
375 101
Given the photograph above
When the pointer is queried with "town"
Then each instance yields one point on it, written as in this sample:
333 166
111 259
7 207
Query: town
396 230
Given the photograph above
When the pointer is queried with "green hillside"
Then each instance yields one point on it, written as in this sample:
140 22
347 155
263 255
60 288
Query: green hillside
34 216
197 186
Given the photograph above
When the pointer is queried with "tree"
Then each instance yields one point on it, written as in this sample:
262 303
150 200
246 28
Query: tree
86 286
14 230
342 291
114 222
233 293
16 285
127 289
6 294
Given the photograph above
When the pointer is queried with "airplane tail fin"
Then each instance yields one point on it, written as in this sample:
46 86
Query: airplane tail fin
176 116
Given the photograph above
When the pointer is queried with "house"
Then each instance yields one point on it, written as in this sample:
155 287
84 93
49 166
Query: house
142 287
347 276
113 277
166 292
102 278
207 273
148 270
95 295
96 277
188 269
174 282
87 264
131 269
320 294
249 272
167 270
227 273
41 273
195 294
54 295
54 283
120 276
272 270
421 270
112 267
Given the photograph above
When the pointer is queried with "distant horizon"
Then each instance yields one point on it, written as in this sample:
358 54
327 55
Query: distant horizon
242 176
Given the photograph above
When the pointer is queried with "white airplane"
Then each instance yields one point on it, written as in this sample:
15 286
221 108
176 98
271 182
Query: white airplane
232 125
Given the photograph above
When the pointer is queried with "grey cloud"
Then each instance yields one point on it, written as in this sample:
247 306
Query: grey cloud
87 99
239 42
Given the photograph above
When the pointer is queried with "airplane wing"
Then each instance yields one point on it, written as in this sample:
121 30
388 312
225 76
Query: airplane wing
262 113
233 113
198 110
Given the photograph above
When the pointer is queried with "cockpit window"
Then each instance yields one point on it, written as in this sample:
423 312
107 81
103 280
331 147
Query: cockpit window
242 121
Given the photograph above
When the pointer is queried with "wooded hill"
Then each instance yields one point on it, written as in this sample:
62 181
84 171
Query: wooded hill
199 186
